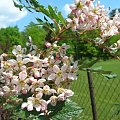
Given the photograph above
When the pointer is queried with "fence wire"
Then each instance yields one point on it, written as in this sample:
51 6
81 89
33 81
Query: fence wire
106 93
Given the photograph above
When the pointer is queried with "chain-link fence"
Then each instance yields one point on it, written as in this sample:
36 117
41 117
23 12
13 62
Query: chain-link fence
106 94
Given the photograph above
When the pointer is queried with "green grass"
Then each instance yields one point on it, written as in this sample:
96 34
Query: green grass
107 92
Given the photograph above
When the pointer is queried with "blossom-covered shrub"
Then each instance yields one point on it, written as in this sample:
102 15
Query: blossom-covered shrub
38 80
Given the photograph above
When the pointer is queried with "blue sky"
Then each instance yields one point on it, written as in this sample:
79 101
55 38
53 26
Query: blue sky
10 16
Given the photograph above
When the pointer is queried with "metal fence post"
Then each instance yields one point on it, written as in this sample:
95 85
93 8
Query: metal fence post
91 90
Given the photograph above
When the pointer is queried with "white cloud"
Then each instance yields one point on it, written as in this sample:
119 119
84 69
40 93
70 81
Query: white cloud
9 13
67 9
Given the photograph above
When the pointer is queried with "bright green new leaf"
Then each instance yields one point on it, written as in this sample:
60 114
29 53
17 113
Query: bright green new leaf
61 18
53 14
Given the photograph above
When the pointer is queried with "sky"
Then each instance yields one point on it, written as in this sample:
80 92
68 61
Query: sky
11 16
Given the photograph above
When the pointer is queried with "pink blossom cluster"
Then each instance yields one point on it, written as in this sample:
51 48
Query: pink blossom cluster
41 80
86 15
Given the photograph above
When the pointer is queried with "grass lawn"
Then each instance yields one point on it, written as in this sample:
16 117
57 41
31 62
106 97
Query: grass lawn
107 92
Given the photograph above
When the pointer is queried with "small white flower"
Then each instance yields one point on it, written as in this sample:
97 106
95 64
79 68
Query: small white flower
68 93
17 50
1 94
59 74
53 100
37 103
46 90
6 89
48 45
36 84
61 97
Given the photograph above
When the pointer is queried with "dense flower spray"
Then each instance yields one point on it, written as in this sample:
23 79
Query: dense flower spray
86 15
42 80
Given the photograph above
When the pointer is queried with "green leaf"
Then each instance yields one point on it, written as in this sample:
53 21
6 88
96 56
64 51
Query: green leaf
70 110
8 106
49 25
40 21
29 10
114 39
100 70
45 18
53 14
13 98
34 3
27 1
17 5
97 68
110 76
21 114
61 18
44 10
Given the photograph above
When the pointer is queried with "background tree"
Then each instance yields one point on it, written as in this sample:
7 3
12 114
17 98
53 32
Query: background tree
8 38
82 49
37 33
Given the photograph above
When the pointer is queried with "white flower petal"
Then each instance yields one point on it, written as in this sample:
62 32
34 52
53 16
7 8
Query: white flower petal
26 60
19 48
57 81
24 105
61 97
39 95
14 51
64 67
30 107
76 1
44 105
72 76
64 76
56 68
69 20
23 67
19 57
46 87
53 91
75 64
69 93
52 76
30 99
38 89
38 107
22 75
33 52
41 80
12 62
37 74
15 81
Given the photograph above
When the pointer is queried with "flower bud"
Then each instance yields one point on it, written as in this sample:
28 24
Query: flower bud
48 45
